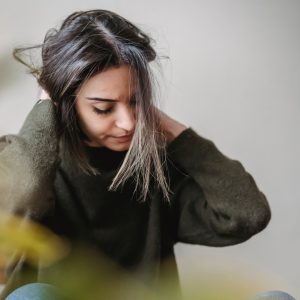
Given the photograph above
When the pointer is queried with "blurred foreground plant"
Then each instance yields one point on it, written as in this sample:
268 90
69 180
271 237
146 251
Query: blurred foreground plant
20 235
81 273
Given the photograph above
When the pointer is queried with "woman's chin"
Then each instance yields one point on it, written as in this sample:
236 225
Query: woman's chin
118 146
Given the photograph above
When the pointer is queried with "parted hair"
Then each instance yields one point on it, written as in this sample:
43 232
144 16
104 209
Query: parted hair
89 42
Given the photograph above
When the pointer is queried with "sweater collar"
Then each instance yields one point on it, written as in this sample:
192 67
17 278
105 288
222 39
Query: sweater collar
104 158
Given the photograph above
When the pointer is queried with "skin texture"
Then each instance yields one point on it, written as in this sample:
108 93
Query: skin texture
110 123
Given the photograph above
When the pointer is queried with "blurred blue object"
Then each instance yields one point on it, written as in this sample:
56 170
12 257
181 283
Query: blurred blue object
273 295
35 291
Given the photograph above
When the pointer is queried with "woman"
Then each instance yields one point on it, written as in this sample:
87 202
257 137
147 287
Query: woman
106 168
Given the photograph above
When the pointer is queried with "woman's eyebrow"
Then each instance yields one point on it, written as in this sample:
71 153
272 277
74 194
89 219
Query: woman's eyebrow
101 99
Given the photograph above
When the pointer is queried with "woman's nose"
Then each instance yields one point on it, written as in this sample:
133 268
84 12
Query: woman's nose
126 119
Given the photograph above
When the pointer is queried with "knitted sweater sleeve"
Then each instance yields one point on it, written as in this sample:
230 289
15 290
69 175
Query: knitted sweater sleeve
218 203
28 163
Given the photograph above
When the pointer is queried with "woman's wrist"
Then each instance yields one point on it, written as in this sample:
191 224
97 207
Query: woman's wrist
174 131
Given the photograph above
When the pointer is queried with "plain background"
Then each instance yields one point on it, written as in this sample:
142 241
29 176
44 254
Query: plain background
233 75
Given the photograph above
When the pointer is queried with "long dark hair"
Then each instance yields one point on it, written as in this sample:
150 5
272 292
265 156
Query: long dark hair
89 42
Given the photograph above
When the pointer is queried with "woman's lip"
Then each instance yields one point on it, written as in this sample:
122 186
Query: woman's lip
121 136
124 138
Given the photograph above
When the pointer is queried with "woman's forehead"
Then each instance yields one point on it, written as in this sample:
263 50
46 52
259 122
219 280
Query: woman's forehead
115 82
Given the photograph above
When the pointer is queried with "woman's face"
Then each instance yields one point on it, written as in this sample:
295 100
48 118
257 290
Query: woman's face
106 109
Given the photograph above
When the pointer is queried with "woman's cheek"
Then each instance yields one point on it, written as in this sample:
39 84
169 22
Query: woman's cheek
102 128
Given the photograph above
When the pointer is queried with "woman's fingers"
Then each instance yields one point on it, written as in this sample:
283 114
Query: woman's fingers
44 95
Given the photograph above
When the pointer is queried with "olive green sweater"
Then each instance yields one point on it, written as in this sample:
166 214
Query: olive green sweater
214 200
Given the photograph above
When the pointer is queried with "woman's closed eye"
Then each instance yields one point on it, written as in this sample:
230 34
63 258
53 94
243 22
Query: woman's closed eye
108 110
102 111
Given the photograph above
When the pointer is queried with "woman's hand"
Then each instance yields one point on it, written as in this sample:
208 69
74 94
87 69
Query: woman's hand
170 127
44 95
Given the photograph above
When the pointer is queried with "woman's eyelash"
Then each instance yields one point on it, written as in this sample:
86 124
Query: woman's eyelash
102 111
109 110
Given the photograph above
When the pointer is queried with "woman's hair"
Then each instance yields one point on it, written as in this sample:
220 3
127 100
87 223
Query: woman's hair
89 42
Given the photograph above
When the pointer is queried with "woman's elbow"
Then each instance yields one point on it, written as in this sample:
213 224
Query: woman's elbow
260 216
253 220
244 222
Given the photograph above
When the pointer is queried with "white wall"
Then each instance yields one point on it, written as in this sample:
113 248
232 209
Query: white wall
233 75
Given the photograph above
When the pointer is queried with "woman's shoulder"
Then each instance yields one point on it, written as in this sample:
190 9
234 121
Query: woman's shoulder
28 162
